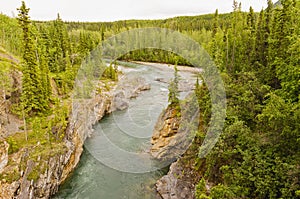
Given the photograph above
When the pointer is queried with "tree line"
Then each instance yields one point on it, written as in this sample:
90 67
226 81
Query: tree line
258 153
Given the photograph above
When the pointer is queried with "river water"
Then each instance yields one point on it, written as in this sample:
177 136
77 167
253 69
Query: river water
130 130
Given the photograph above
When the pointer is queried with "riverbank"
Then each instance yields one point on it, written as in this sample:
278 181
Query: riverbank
174 139
129 130
40 177
164 66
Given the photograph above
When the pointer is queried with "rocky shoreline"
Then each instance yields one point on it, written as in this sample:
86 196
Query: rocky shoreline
84 115
170 141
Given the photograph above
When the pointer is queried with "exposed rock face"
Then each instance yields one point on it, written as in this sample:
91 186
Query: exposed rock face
56 168
9 124
171 138
85 113
127 89
165 132
174 186
173 132
120 102
3 155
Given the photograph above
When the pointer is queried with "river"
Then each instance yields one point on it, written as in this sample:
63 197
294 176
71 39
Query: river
130 130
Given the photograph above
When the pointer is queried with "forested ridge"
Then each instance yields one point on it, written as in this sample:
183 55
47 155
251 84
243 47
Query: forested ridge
257 53
258 154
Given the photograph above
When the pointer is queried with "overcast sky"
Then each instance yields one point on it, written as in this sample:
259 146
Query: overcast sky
111 10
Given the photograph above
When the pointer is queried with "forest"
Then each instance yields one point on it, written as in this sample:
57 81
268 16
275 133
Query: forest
257 54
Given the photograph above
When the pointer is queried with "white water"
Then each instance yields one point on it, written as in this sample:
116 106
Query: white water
130 130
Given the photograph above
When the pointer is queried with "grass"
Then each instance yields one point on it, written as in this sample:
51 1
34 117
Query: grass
39 148
11 176
38 140
44 140
7 61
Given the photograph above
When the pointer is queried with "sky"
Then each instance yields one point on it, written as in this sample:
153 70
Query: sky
112 10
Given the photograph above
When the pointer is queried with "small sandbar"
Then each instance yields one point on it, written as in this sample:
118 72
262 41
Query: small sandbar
164 66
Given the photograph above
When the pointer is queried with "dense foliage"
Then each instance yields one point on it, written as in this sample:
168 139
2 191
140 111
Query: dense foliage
258 154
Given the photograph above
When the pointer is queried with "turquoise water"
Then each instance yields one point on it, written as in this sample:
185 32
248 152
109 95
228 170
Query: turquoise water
129 130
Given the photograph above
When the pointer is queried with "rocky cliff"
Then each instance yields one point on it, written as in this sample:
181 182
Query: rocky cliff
172 140
183 176
175 185
165 133
174 130
51 171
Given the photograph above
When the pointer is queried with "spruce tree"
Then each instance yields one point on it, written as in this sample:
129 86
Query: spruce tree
32 98
214 32
173 90
250 41
215 23
260 43
45 79
284 51
251 20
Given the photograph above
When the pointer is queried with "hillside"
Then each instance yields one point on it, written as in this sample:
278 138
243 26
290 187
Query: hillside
10 78
181 23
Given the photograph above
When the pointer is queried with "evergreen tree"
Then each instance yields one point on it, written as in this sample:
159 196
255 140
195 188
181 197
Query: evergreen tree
173 90
261 41
58 46
215 23
235 44
32 97
214 33
250 40
251 20
285 48
45 79
43 60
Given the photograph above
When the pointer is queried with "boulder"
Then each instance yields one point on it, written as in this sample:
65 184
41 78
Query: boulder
119 101
173 186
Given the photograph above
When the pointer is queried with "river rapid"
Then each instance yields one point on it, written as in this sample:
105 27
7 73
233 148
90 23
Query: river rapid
131 130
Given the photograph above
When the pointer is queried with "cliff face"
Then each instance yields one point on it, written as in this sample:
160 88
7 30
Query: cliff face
171 140
54 170
174 130
165 133
3 155
175 185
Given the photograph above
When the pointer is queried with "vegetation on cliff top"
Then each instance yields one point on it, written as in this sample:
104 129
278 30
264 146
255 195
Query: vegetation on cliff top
258 154
50 57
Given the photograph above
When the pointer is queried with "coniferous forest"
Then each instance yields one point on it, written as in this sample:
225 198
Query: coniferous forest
257 54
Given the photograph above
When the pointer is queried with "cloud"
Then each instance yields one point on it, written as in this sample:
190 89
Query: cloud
110 10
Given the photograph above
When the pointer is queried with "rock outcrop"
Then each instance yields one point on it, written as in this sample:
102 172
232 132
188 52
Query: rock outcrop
165 133
53 171
173 132
171 139
3 155
126 90
174 186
